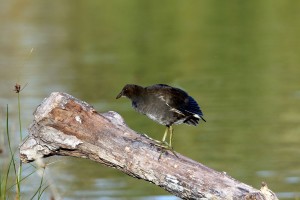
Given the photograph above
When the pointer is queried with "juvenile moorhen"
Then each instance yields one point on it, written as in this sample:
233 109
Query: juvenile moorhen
164 104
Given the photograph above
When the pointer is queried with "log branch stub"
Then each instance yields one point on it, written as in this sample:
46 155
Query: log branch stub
66 126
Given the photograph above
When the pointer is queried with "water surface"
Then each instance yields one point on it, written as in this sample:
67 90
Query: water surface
238 59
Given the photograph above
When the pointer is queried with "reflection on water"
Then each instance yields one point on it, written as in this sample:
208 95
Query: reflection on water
240 61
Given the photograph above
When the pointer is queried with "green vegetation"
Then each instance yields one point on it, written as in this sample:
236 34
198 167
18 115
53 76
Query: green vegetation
12 169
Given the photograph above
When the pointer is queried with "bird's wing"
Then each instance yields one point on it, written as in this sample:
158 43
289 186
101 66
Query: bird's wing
185 103
178 100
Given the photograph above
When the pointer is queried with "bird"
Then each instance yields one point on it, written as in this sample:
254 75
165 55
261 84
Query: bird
164 104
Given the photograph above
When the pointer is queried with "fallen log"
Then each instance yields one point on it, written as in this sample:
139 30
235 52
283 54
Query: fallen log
66 126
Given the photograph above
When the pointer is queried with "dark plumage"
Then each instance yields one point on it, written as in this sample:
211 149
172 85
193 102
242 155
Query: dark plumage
164 104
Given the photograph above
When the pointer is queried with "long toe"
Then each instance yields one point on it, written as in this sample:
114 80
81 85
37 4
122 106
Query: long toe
164 149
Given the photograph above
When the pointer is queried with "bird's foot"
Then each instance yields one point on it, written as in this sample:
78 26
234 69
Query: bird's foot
163 145
164 148
148 137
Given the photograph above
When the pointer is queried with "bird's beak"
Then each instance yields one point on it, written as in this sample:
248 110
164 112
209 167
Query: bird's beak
120 95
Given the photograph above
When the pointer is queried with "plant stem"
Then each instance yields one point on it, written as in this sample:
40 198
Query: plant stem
40 192
20 121
10 149
9 143
20 162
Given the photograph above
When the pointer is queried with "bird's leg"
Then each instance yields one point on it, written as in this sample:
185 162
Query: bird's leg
165 146
163 142
170 143
171 135
165 135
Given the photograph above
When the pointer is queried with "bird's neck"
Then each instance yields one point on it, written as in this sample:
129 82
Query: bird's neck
138 94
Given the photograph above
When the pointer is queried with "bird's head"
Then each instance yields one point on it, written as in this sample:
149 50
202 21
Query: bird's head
130 91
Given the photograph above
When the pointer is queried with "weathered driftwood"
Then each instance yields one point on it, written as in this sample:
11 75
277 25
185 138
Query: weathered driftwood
64 125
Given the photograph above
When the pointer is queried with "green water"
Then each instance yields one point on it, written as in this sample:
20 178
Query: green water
239 59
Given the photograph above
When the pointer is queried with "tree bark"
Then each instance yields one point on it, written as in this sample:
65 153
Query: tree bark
66 126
